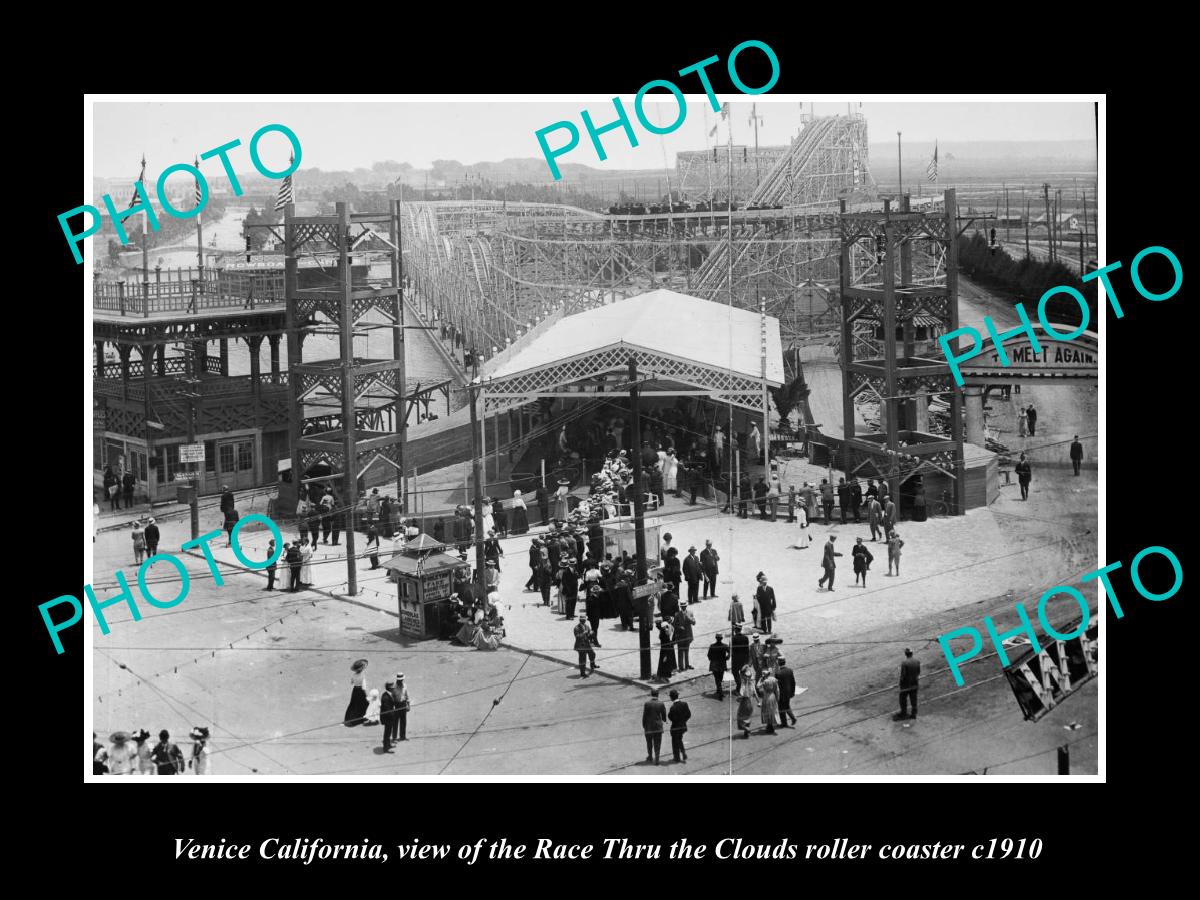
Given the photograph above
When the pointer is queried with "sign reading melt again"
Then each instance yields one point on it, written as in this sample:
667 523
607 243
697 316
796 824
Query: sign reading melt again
1075 358
1041 681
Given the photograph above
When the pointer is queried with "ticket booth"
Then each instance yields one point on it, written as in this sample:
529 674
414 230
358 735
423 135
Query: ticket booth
424 575
619 534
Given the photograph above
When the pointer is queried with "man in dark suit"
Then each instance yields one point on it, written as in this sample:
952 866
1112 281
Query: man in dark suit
271 567
543 503
128 483
760 496
291 553
889 516
679 715
1024 475
708 567
153 535
787 690
654 713
739 653
828 563
843 494
569 582
765 595
387 714
856 499
910 673
692 573
1032 413
718 658
1076 460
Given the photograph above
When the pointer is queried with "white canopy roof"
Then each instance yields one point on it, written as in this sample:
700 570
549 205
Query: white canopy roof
664 322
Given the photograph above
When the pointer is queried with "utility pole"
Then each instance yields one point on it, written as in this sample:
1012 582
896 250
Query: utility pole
639 520
1007 220
191 395
1049 233
476 387
755 118
1027 229
1083 235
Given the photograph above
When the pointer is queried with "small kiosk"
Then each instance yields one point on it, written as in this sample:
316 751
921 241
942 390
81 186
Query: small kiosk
620 534
424 576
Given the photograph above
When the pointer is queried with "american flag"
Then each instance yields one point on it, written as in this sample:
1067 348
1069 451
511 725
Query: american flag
134 199
931 170
199 194
724 110
286 194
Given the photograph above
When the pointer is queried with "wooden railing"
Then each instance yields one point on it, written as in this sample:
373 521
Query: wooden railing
182 290
167 390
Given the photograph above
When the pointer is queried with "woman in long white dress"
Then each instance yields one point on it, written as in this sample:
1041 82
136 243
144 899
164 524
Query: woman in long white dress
805 536
489 521
670 470
306 552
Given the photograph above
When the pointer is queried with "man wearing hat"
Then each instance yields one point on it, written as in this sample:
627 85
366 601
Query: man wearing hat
828 564
167 756
787 690
387 714
764 602
718 656
739 653
654 713
692 573
152 538
679 715
583 645
709 558
569 585
684 622
400 721
535 559
271 567
756 655
491 576
910 674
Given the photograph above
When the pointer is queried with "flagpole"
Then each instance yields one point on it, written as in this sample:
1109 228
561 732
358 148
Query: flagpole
145 242
199 241
899 166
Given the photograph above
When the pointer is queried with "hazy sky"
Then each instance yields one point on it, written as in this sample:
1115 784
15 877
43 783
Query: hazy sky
346 134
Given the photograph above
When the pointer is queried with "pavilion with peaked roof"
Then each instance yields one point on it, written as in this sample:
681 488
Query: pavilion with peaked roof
685 345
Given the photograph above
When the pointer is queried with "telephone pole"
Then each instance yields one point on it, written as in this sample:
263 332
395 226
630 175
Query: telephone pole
646 606
1049 220
477 470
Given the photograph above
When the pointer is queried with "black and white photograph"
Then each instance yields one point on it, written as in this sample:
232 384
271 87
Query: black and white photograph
532 438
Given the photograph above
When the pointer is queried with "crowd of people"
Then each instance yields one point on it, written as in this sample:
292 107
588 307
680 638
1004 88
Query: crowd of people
132 753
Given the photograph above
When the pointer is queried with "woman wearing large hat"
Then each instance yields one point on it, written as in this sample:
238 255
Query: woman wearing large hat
519 516
122 758
141 739
200 750
358 694
561 510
